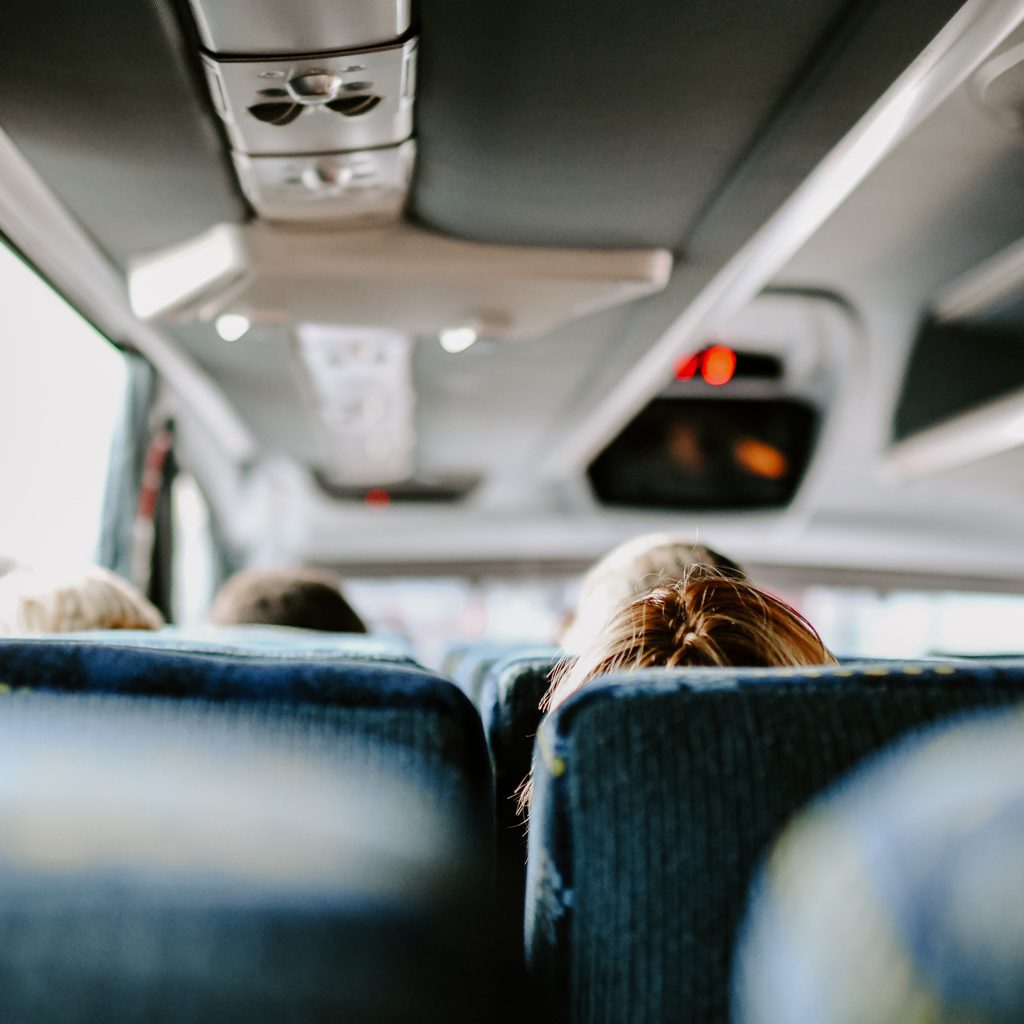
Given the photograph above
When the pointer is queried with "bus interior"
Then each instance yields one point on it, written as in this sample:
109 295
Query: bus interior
451 298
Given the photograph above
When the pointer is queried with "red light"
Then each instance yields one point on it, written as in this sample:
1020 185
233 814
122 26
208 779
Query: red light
377 497
687 367
718 365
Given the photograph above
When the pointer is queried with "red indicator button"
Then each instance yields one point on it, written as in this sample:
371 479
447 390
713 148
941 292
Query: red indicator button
687 367
377 497
718 365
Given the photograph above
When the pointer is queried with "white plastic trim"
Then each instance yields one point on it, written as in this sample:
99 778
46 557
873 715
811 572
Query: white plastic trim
404 278
986 285
970 36
989 429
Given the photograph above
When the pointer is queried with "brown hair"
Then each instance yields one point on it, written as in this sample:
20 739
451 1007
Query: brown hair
707 619
301 598
634 568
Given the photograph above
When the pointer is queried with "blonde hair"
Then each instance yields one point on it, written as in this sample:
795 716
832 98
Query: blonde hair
707 619
33 601
631 569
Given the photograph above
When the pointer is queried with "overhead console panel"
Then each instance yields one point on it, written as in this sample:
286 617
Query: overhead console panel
317 100
365 185
268 26
340 101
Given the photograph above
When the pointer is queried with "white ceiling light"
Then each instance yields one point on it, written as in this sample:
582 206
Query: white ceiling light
457 339
232 326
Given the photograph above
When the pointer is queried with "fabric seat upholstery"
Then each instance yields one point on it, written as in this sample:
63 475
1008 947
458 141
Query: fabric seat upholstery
381 711
279 641
657 792
898 895
471 665
186 862
509 703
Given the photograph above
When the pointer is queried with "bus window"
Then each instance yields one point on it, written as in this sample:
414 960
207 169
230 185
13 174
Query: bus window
863 622
196 561
61 390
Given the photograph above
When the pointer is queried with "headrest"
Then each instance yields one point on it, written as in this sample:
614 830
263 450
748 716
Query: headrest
173 861
899 895
188 669
277 641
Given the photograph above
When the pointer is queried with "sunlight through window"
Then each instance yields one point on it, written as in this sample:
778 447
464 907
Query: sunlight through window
61 389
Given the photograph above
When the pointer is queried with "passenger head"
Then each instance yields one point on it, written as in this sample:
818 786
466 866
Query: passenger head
302 598
626 572
36 601
705 619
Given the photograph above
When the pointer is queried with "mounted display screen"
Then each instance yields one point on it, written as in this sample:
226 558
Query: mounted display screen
708 454
955 367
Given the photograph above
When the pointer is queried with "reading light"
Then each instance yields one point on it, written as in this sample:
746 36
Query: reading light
232 326
457 339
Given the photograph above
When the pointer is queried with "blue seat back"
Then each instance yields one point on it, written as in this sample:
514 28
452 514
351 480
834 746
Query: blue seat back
509 703
470 665
280 641
899 895
188 862
379 709
657 792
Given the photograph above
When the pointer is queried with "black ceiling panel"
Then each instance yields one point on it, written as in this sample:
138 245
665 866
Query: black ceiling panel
597 122
102 99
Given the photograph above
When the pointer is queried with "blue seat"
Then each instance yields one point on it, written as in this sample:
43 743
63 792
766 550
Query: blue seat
898 896
657 792
470 664
182 862
425 722
509 704
282 641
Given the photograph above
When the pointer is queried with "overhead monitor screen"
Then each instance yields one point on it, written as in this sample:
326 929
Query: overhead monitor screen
708 454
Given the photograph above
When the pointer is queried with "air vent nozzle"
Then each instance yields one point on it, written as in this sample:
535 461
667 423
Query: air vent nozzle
361 188
327 103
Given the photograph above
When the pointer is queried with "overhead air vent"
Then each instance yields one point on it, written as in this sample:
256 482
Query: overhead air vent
359 187
317 99
330 102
